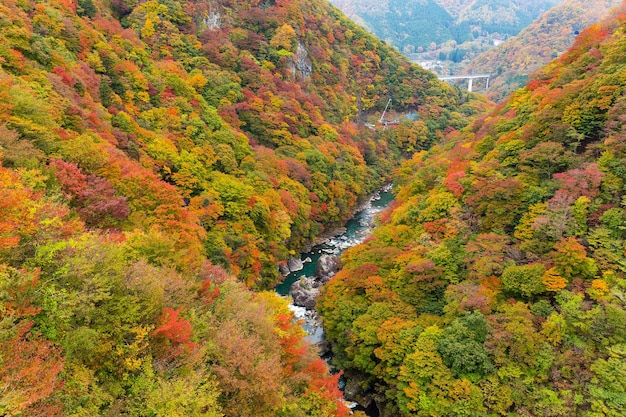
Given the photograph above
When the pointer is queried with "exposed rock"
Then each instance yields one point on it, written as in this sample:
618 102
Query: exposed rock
301 65
213 19
354 391
326 268
295 264
307 260
327 235
351 389
323 347
304 291
283 269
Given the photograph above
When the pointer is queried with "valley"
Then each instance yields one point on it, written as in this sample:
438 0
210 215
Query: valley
164 163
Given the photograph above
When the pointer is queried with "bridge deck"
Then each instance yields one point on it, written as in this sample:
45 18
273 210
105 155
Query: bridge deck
470 79
465 77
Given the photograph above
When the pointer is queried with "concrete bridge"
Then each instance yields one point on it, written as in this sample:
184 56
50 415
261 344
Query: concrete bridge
470 79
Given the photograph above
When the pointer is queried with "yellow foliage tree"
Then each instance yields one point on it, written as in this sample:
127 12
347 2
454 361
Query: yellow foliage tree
148 29
553 281
285 38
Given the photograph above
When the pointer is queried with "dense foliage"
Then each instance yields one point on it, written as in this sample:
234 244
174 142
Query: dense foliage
497 285
151 149
232 126
545 39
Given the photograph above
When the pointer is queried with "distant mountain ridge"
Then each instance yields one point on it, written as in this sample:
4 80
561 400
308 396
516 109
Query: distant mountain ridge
464 9
407 25
414 24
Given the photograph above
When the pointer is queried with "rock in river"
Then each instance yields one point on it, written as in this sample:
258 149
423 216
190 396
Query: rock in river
323 347
283 269
295 264
326 268
304 291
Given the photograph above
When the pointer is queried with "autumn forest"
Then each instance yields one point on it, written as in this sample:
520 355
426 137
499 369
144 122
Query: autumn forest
160 159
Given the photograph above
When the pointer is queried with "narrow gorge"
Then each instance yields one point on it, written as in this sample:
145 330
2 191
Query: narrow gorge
317 266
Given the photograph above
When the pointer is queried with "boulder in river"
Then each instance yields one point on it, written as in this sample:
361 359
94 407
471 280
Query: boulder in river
326 268
283 269
295 264
304 291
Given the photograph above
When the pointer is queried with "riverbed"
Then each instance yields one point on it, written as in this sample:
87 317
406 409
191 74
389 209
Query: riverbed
356 231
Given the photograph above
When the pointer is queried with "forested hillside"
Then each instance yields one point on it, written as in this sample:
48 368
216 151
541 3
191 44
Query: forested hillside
503 16
512 62
159 157
242 114
497 285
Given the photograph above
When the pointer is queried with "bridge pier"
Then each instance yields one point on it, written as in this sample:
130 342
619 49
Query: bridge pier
470 83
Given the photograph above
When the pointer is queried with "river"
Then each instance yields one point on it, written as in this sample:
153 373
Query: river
357 230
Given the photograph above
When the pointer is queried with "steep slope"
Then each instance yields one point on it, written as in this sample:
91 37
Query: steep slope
496 286
246 113
545 39
150 150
